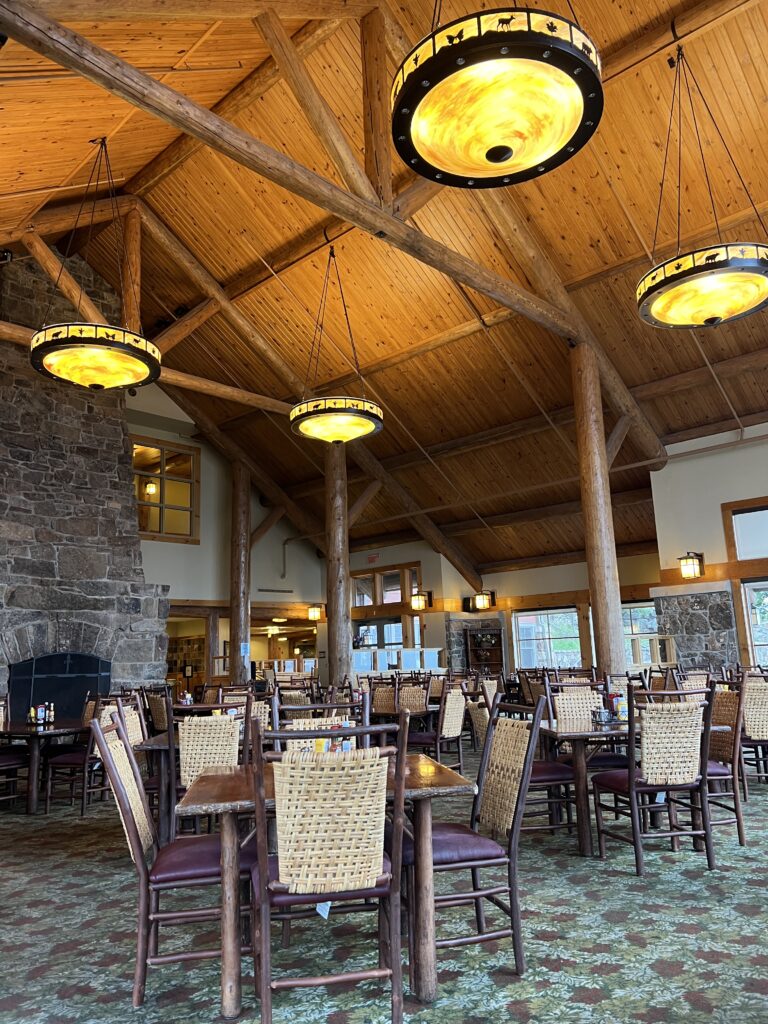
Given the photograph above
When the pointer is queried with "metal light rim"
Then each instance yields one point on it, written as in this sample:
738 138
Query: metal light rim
408 88
651 285
103 336
318 408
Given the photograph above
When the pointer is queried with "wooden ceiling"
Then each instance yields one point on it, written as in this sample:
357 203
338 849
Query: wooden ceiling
594 217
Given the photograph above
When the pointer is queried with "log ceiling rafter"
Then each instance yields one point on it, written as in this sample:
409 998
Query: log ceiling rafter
76 53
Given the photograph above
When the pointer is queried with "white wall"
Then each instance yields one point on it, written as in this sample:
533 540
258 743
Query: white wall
688 492
201 571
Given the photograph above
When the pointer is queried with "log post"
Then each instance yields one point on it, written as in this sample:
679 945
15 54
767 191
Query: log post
600 542
211 643
240 574
130 271
338 609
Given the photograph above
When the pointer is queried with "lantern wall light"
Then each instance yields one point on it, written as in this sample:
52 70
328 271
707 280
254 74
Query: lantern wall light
421 600
691 565
314 612
482 601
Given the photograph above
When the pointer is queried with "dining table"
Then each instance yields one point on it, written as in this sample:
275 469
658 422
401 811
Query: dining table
229 792
38 736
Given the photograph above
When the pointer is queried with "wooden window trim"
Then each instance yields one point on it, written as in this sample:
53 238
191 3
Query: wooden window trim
193 480
728 508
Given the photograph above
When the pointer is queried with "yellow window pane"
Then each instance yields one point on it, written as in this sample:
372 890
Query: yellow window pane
147 458
178 464
177 522
149 519
177 493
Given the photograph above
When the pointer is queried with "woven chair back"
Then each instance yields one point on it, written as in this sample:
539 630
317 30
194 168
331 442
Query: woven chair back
478 716
89 709
124 782
207 742
260 710
454 709
295 697
502 784
691 681
670 742
330 819
105 712
531 688
576 703
755 706
728 710
158 711
413 697
383 695
436 685
132 725
211 695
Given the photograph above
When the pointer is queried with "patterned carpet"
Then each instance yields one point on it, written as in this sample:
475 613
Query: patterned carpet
603 947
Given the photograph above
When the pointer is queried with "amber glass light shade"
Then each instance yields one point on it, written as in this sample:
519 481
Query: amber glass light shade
481 602
496 97
418 601
336 418
691 565
705 287
95 356
314 612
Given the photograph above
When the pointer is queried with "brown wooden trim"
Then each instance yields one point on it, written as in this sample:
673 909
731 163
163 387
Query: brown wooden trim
568 599
194 481
743 629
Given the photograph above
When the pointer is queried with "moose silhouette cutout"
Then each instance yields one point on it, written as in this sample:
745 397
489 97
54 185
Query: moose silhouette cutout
457 38
57 334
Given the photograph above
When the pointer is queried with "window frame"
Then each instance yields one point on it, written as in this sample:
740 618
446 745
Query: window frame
655 639
517 613
194 483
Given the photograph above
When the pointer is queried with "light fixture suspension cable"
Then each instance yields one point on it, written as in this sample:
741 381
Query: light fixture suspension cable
317 334
349 325
701 150
665 161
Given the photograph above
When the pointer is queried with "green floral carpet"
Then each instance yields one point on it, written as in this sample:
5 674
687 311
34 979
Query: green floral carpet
603 947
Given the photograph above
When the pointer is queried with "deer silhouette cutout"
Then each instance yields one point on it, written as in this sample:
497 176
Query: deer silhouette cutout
505 24
457 38
57 334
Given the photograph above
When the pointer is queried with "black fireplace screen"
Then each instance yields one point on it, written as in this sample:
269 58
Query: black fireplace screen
64 679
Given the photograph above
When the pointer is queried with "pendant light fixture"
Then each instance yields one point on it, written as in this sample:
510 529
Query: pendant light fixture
338 417
706 286
91 355
496 97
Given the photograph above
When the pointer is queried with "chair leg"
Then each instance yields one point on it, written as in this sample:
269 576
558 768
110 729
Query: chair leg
674 823
265 964
154 927
637 842
743 773
599 823
84 795
395 959
48 788
411 890
461 755
514 906
383 926
142 945
737 807
706 824
479 908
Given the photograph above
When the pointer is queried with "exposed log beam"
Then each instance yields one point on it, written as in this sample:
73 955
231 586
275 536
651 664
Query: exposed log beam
56 219
425 526
643 547
50 263
272 518
376 107
197 10
75 52
304 521
616 439
252 88
314 107
208 284
186 325
130 272
172 378
362 503
720 427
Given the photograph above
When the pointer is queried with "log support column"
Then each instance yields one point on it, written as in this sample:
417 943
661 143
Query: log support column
337 533
240 575
600 542
211 644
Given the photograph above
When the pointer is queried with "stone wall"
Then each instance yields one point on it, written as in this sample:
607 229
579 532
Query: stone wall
702 625
71 577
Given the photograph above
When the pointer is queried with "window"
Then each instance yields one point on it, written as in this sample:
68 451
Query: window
362 590
391 588
757 602
642 642
548 638
751 533
166 483
393 633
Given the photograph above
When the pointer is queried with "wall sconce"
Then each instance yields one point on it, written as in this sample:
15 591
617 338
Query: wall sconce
421 600
314 612
150 487
297 650
482 601
691 565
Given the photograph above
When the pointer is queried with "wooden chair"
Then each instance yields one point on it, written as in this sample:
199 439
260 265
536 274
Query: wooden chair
725 761
158 702
414 698
330 812
672 757
311 715
81 767
448 730
574 701
14 759
383 697
755 738
206 741
499 806
185 863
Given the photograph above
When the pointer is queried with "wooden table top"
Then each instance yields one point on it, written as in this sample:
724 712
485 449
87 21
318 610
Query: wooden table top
585 729
61 727
231 789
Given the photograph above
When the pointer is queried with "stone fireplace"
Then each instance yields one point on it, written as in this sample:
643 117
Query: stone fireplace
71 578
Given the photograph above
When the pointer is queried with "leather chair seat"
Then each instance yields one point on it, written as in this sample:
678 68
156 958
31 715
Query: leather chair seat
72 759
13 758
718 770
421 739
553 773
615 781
191 858
452 843
292 899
